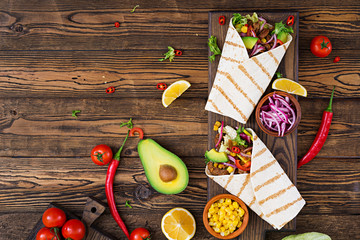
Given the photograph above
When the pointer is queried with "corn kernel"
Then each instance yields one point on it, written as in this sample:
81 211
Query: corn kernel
231 207
212 224
239 225
215 218
222 229
221 166
212 210
209 215
236 205
227 232
221 200
235 222
231 229
228 210
232 217
228 201
216 128
263 40
224 222
217 123
230 169
217 230
241 212
221 218
244 29
233 154
218 225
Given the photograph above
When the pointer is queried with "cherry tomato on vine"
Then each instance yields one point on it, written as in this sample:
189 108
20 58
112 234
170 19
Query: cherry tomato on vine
140 234
46 234
101 154
73 229
320 46
54 218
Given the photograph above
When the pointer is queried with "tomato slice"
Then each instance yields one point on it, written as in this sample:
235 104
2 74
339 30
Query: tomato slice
136 130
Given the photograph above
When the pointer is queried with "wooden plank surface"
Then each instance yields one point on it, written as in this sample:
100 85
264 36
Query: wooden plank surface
48 48
284 149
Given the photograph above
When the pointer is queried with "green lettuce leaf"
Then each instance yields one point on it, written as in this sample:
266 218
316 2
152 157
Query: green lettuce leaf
254 18
308 236
212 43
281 27
238 21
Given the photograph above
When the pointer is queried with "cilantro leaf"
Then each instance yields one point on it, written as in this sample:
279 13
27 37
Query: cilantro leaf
212 43
238 21
281 27
238 139
129 124
169 55
74 112
133 10
127 204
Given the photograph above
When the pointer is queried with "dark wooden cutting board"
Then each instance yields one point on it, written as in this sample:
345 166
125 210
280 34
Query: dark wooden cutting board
284 149
92 210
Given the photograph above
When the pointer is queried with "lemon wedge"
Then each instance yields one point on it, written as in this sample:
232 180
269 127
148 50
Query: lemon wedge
174 91
178 224
289 86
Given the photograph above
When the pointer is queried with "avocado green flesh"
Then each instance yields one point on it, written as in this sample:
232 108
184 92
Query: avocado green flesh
249 41
215 156
152 157
282 37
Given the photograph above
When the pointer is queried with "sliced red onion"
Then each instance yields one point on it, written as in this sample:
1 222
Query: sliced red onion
272 37
244 155
243 34
254 49
276 121
275 40
277 110
260 48
270 100
221 134
262 26
231 158
287 99
245 137
253 33
248 149
228 164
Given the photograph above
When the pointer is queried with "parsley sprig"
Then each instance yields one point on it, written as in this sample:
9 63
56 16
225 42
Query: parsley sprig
213 48
169 55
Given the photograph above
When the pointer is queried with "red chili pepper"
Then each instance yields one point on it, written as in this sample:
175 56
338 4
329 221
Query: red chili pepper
278 41
290 20
161 86
117 24
245 167
110 90
178 52
336 59
235 149
321 134
222 20
109 188
137 130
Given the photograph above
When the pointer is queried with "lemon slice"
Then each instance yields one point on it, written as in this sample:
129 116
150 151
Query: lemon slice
289 86
178 224
174 91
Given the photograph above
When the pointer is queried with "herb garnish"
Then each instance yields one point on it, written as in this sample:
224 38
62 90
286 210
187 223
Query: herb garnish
213 48
74 112
169 55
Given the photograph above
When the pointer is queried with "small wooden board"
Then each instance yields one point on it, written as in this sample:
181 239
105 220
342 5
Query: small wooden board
93 209
284 149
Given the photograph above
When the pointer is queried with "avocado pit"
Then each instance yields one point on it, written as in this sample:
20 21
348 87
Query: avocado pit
167 173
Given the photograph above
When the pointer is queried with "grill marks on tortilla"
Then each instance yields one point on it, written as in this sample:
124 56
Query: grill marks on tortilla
271 180
247 179
231 59
252 201
263 168
273 57
229 180
242 68
230 101
228 76
276 195
258 63
234 44
284 207
214 106
259 153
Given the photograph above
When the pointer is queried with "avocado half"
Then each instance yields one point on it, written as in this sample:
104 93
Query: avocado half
165 171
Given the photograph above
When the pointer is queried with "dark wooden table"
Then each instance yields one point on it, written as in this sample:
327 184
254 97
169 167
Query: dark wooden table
60 56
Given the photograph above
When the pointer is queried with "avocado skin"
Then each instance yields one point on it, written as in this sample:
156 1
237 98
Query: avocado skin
215 156
152 155
249 42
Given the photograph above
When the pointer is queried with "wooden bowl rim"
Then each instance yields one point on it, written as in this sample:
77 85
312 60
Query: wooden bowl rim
233 234
297 109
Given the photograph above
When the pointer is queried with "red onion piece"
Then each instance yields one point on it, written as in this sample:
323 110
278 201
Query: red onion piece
262 26
272 37
275 40
243 34
228 164
248 149
221 134
244 155
231 158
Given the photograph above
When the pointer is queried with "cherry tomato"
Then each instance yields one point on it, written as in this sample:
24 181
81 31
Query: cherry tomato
336 59
161 86
73 229
46 234
110 90
54 218
321 46
101 154
140 234
136 130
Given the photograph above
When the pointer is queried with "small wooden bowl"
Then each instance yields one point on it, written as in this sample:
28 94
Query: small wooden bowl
265 100
236 232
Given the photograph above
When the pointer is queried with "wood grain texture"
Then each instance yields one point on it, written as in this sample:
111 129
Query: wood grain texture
284 149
